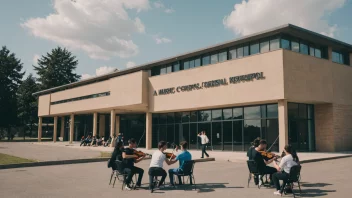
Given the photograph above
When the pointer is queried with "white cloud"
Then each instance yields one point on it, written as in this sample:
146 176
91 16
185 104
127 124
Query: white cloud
102 29
100 71
169 10
35 59
85 76
130 64
160 5
104 70
160 40
252 16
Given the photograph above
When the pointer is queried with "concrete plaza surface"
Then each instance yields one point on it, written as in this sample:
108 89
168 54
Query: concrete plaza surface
221 179
49 151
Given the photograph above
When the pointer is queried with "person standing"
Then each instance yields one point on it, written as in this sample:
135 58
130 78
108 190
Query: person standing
204 142
130 158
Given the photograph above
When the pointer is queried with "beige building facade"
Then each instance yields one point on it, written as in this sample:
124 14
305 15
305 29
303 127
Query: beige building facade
287 85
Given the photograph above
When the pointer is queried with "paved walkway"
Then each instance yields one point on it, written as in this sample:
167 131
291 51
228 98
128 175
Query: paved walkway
214 179
46 151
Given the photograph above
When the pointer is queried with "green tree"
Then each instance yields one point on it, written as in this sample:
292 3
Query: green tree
10 79
27 103
56 68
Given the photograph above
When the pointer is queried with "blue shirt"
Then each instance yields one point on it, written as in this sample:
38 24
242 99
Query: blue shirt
182 157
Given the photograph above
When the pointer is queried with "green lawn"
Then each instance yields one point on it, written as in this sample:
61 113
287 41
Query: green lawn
9 159
105 154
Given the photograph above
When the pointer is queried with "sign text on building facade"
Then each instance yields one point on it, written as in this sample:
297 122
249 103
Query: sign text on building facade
210 84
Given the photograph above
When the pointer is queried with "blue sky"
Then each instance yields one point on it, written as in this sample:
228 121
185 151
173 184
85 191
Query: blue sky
148 30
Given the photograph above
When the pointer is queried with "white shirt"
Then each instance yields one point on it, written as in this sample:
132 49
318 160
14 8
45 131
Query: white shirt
204 139
158 159
286 163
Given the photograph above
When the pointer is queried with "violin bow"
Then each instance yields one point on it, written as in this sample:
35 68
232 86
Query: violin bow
273 143
173 145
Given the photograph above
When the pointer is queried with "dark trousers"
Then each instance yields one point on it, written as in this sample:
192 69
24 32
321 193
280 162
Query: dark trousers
280 176
130 171
156 171
204 150
267 170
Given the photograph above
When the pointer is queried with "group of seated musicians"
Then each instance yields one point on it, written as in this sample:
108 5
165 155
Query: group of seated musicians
156 165
280 171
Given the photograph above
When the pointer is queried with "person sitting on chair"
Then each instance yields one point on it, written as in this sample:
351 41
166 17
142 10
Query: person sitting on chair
182 157
290 159
255 144
156 165
130 158
261 162
116 155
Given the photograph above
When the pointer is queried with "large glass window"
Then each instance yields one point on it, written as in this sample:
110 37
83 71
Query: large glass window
304 48
186 65
246 50
240 52
227 129
317 53
216 114
232 54
311 51
222 56
252 112
214 59
163 71
168 69
264 46
206 60
338 58
191 64
176 67
301 126
274 44
295 46
255 48
285 44
197 62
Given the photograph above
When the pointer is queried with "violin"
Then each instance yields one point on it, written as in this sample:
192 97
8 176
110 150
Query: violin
140 154
267 155
170 155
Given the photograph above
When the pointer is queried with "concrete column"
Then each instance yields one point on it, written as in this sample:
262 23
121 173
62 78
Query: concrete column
102 125
148 132
55 129
283 124
117 127
95 124
40 124
62 130
112 126
72 125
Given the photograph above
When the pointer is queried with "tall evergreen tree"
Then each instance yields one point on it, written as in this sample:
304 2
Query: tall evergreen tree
10 79
27 103
56 68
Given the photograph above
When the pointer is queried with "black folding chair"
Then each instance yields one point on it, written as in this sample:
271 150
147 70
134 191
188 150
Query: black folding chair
121 173
253 170
294 176
188 168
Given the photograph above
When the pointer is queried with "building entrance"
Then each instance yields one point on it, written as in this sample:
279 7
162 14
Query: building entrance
133 126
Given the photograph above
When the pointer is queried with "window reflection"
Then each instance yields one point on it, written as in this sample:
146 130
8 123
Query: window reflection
206 60
246 50
240 52
252 112
217 114
197 62
233 54
295 46
222 56
264 46
285 44
303 48
274 44
214 59
186 65
255 48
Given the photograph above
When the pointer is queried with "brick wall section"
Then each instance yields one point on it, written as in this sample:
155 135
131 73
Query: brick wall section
342 127
324 128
